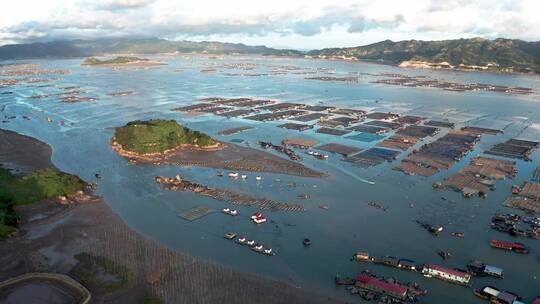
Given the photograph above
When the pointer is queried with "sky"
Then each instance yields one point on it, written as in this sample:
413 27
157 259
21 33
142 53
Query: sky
298 24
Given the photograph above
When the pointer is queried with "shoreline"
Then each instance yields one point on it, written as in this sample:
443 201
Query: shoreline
355 60
52 242
222 156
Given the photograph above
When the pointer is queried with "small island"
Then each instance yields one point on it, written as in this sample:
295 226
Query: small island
160 141
120 61
157 136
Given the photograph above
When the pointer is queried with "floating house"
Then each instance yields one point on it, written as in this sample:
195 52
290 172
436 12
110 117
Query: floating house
379 286
450 275
496 296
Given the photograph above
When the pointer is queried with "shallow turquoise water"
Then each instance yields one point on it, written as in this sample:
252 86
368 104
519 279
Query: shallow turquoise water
348 226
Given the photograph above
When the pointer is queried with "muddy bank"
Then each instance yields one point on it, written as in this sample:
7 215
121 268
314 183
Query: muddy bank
53 242
23 153
228 156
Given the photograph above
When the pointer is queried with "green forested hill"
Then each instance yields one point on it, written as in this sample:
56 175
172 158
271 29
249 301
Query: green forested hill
518 55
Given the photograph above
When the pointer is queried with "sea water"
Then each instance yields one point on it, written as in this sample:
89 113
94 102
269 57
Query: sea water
81 146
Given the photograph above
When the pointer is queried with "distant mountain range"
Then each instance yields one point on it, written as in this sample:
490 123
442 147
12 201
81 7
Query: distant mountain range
507 55
86 48
476 53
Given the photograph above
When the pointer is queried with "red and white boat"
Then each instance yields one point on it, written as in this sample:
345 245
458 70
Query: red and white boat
258 218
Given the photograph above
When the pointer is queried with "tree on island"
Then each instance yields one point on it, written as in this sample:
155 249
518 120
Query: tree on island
117 60
157 136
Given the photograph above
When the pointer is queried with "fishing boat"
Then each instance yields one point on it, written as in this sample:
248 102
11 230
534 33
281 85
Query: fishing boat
250 243
258 248
228 211
306 242
269 251
233 174
444 255
241 240
244 176
258 218
258 178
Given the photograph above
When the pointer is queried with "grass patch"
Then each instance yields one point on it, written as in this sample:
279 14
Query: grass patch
101 271
154 136
35 187
40 185
117 60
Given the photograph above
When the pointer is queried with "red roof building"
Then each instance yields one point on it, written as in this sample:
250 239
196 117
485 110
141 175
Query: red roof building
380 286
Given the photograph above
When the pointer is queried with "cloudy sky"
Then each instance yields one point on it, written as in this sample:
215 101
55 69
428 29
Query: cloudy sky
301 24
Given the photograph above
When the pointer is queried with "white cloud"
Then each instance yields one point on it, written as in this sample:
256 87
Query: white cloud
299 24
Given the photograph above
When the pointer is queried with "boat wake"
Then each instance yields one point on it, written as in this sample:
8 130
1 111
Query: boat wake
353 175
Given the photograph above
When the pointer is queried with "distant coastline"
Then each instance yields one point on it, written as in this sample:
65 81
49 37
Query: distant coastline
476 54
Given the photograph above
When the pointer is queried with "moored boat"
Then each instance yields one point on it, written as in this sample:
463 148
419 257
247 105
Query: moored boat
258 247
228 211
258 218
269 251
511 246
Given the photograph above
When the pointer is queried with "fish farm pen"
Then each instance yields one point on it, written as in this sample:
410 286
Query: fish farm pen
409 119
331 131
440 124
295 126
310 117
479 130
372 157
399 141
238 113
299 143
440 154
515 148
381 115
234 130
418 131
368 129
384 124
340 149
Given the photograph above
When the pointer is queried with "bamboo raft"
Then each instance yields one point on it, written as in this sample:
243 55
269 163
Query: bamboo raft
195 213
235 198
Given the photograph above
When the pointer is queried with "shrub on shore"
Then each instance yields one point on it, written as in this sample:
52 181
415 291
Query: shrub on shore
35 187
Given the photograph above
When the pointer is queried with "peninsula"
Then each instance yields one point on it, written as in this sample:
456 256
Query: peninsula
167 142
